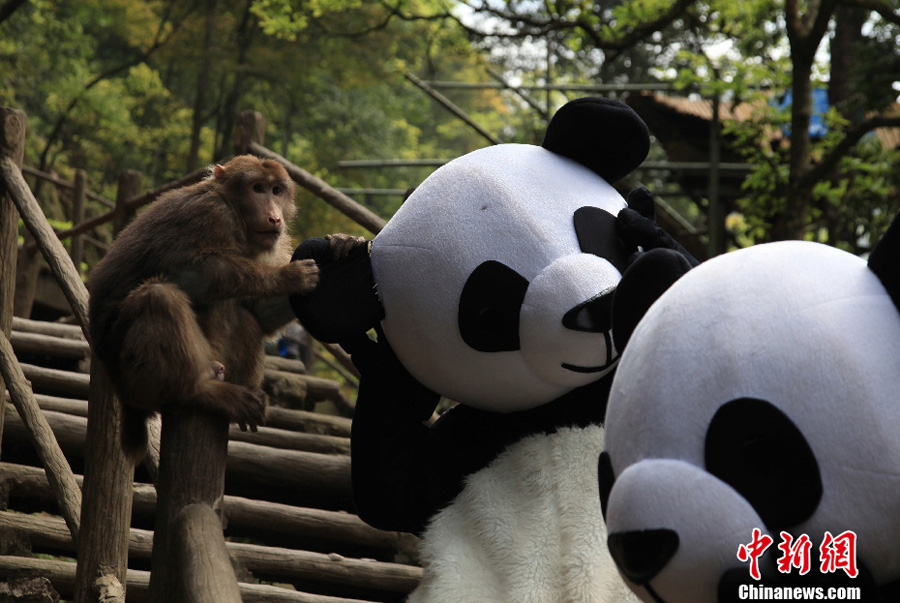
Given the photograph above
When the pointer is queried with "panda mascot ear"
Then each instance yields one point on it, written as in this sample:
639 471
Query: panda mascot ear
884 260
602 134
344 303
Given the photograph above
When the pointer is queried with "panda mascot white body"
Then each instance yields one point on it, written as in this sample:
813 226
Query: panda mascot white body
492 286
761 391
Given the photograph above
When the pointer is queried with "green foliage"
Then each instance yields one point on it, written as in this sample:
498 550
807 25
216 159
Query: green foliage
111 85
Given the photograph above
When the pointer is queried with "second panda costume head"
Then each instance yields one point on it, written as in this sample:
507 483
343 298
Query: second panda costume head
493 286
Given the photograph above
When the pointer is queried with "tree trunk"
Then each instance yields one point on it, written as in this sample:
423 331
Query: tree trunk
202 85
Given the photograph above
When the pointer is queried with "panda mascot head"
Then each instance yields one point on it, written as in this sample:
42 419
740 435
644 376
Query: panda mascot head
761 392
494 279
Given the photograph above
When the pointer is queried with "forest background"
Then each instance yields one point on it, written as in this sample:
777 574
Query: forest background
155 86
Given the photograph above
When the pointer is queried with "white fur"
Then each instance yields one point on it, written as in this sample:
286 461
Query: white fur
526 529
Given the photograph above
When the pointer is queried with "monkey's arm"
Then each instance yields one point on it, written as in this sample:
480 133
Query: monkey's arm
218 276
271 313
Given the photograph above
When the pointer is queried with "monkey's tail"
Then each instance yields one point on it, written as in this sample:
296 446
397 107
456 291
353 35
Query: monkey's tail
134 433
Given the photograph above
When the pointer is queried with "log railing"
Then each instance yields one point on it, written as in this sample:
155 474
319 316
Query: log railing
190 556
100 529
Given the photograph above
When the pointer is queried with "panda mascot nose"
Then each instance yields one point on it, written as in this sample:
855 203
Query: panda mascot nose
642 554
592 316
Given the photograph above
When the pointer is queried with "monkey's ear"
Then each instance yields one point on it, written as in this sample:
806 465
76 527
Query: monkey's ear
219 172
344 303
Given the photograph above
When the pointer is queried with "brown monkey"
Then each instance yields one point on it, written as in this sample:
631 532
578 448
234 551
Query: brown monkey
180 304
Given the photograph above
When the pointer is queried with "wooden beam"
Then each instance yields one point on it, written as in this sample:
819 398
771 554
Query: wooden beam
334 530
39 432
288 564
62 575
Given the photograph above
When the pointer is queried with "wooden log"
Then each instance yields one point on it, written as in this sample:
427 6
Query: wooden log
310 422
192 462
336 530
197 549
109 589
28 275
309 438
38 431
12 145
108 475
321 479
133 203
265 436
76 249
35 343
60 183
291 388
286 564
51 248
42 327
55 381
250 126
295 389
62 575
104 473
55 331
130 182
287 365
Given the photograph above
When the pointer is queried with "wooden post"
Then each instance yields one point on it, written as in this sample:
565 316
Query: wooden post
193 452
106 493
28 268
12 144
250 127
129 186
715 218
76 251
62 480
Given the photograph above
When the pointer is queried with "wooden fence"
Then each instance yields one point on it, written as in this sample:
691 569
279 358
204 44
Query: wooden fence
286 488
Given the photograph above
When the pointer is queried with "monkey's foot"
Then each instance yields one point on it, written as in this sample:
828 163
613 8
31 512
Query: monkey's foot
250 409
342 244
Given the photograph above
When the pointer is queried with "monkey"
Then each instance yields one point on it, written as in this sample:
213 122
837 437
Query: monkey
181 303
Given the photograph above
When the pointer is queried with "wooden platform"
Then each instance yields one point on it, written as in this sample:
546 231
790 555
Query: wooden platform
289 522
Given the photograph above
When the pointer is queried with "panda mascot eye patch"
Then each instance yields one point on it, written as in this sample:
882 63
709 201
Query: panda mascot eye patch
489 307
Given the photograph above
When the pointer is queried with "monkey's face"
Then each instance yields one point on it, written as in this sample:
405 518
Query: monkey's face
264 213
264 195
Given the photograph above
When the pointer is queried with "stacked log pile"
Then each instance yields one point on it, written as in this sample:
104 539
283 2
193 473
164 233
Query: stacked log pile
291 531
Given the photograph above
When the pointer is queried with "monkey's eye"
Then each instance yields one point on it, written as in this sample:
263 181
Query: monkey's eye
259 188
276 190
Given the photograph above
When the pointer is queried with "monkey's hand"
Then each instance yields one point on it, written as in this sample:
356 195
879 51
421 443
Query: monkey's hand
250 409
342 244
301 276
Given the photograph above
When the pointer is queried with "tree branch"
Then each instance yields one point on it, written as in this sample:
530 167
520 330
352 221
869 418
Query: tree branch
887 12
8 8
831 159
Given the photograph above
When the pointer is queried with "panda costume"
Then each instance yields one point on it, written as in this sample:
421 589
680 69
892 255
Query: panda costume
492 286
760 392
